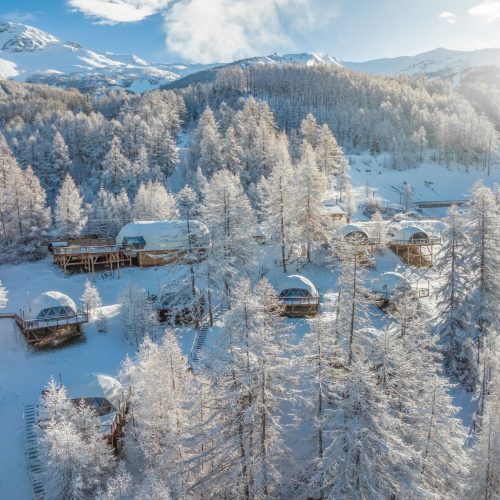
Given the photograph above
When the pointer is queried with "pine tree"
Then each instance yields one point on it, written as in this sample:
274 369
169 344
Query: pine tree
309 130
69 214
232 153
60 164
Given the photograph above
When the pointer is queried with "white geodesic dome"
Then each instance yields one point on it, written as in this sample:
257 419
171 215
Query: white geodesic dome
389 283
410 234
50 305
290 286
95 388
161 235
354 229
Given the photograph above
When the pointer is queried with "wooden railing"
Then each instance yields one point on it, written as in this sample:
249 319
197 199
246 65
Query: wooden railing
293 301
36 324
422 241
86 249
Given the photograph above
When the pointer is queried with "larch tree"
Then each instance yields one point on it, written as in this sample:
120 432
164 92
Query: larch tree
483 260
232 152
116 168
90 299
210 145
69 214
154 202
244 437
60 164
309 130
279 201
311 216
454 323
3 296
230 219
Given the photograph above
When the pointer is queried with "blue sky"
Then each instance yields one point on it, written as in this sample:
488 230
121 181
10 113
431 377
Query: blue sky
222 30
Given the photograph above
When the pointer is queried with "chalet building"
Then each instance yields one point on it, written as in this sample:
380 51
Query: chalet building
299 295
156 243
334 212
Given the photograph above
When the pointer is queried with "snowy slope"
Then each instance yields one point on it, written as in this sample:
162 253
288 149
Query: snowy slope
438 62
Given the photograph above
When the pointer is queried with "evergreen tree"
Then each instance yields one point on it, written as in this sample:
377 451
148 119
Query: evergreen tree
3 296
90 299
116 168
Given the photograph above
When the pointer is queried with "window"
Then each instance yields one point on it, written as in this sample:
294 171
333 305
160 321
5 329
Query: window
290 293
55 312
136 242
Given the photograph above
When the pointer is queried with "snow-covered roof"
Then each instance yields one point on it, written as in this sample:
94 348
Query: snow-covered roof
332 208
297 281
52 304
388 283
353 228
163 234
406 233
99 386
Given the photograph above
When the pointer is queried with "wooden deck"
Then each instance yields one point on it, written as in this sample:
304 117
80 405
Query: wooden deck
52 332
300 307
418 253
88 258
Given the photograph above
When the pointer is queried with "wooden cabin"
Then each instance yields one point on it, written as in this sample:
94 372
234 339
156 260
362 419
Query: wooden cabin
299 296
157 243
108 398
178 304
414 245
52 319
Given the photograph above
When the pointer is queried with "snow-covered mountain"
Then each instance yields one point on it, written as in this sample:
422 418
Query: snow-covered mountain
439 62
30 54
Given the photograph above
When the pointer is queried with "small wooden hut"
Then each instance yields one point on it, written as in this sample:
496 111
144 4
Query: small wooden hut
52 319
334 211
414 245
157 243
299 295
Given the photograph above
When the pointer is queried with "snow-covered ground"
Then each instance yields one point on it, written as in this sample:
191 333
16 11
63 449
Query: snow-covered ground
429 181
24 373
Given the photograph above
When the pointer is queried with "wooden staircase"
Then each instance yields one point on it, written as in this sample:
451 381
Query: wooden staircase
35 469
202 331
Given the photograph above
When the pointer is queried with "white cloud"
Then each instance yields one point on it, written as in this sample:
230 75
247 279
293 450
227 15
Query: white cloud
219 30
487 11
119 11
448 17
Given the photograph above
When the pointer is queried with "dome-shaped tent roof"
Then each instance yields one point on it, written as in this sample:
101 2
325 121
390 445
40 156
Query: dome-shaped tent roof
388 283
51 305
352 229
297 282
99 386
410 234
160 235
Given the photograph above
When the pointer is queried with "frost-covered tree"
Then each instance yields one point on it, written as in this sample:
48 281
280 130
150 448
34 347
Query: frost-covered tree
76 456
90 299
154 202
210 144
309 130
483 260
244 438
311 216
407 196
484 481
455 328
3 296
116 168
232 152
60 163
161 400
329 156
69 214
139 317
279 201
230 219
